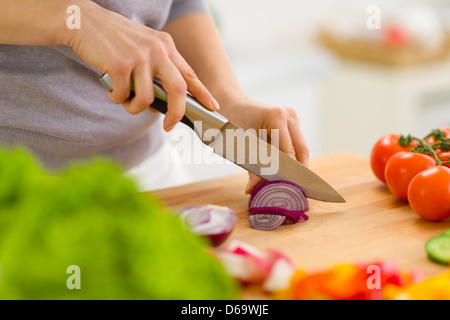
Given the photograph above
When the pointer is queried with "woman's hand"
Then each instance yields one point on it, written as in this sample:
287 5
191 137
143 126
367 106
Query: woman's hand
206 55
250 114
129 51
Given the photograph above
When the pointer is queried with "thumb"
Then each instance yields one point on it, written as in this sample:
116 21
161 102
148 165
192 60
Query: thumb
253 181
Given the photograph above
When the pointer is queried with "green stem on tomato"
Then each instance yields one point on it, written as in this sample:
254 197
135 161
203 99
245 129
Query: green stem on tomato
437 134
405 141
425 148
444 145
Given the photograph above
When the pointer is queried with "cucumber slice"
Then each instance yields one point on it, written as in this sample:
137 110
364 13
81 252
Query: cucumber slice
438 249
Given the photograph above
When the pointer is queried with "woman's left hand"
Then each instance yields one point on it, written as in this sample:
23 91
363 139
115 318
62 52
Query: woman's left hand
250 114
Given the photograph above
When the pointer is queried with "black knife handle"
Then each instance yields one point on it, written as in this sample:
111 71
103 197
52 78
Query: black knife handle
158 104
161 106
195 111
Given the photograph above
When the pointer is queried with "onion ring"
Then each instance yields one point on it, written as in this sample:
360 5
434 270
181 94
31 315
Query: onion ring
277 198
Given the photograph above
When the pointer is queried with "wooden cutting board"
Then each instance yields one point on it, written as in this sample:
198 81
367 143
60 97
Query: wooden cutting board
372 225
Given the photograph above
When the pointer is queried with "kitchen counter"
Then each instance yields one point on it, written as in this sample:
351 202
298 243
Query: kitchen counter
372 225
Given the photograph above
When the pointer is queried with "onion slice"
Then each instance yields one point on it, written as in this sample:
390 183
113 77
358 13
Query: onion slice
266 221
212 221
292 216
271 200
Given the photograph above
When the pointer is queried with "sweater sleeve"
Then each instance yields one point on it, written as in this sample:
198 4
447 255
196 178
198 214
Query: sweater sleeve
182 7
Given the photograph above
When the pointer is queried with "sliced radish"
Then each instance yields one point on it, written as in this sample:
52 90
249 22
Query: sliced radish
270 268
280 276
259 258
242 268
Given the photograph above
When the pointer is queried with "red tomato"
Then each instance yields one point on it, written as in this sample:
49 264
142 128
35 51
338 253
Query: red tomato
401 168
429 193
383 149
444 156
432 140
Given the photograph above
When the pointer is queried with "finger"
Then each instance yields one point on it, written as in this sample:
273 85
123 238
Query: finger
284 140
176 88
143 91
299 142
194 85
121 89
253 181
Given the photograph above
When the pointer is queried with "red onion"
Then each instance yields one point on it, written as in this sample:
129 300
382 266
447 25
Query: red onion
292 216
214 222
273 203
265 221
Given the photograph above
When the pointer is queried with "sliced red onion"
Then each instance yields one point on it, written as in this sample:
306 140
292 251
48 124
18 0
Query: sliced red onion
266 221
277 198
292 216
215 222
193 216
279 193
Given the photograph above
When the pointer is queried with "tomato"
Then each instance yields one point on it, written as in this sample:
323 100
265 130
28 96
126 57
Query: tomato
444 156
432 140
401 168
383 149
429 193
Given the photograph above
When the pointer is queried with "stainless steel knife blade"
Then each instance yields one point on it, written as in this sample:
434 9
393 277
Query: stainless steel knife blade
243 147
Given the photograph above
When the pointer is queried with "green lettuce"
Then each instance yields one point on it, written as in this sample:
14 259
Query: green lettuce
125 244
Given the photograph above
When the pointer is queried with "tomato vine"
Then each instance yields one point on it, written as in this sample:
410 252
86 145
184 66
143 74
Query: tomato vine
423 147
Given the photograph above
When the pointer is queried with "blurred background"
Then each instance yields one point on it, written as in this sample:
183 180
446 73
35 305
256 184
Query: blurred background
354 70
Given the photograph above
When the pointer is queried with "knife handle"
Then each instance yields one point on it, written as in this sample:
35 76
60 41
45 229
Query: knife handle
161 106
195 111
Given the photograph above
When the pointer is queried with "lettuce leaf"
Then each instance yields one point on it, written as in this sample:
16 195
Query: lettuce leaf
125 243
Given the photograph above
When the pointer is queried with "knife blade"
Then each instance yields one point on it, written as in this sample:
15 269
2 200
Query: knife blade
271 163
243 147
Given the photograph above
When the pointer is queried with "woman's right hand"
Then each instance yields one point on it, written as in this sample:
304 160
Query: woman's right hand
129 51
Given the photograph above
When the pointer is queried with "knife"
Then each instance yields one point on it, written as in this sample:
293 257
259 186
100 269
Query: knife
230 142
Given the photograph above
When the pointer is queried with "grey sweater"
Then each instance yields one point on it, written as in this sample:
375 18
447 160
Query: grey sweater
52 102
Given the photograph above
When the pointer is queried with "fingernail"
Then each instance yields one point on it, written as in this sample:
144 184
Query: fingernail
169 128
215 104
